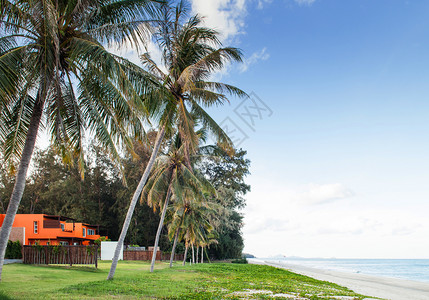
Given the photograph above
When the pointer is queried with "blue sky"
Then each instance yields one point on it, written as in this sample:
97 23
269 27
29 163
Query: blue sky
340 169
340 156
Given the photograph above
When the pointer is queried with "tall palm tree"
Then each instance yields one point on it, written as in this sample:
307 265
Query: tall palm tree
190 55
54 67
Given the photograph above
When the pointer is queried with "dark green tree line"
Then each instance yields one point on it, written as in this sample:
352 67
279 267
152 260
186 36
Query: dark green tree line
227 174
101 198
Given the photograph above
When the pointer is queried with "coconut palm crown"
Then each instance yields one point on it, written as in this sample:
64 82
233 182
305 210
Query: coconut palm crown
191 54
52 58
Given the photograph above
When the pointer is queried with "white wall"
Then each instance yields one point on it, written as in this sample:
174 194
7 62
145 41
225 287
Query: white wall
108 250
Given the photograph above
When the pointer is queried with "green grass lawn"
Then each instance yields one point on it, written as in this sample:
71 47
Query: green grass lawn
133 281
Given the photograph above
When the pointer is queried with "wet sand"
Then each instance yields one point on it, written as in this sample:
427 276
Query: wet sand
381 287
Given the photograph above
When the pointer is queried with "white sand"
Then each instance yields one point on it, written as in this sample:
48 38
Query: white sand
382 287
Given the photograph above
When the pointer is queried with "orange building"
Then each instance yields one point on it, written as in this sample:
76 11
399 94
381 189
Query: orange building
43 229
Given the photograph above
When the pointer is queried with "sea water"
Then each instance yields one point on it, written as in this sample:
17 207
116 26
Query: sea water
410 269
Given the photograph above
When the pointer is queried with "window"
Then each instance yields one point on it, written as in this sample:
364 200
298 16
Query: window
64 243
63 226
91 231
84 232
36 229
76 243
48 243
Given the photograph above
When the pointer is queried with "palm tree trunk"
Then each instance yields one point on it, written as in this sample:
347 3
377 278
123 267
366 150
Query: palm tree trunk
158 232
133 203
198 248
208 258
176 237
193 255
202 254
19 186
186 254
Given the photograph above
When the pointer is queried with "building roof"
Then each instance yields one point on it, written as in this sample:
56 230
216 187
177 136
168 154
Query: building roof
61 218
92 225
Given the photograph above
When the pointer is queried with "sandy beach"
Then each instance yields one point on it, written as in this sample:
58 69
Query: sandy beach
381 287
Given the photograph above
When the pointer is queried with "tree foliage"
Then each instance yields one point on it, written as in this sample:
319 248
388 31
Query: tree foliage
101 198
227 174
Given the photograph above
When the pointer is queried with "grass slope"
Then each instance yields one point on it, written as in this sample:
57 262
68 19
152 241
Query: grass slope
133 281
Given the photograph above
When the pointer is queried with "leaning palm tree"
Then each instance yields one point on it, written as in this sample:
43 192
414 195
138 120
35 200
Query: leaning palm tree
55 70
190 55
168 176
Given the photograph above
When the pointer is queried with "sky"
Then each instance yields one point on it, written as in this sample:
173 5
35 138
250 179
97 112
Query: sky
336 127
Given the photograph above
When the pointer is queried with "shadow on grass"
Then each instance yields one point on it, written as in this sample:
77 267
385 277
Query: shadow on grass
77 268
4 296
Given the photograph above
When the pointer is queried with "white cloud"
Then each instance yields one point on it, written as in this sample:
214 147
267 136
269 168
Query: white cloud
346 225
261 223
254 58
125 50
329 220
322 193
261 3
333 231
311 194
305 2
132 54
299 208
226 16
156 55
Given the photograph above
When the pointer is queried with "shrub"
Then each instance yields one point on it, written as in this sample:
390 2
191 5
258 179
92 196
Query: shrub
239 261
101 239
13 250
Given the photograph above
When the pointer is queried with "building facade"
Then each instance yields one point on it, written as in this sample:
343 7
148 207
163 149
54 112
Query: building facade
44 229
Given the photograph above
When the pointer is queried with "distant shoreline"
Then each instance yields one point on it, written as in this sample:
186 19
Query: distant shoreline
375 286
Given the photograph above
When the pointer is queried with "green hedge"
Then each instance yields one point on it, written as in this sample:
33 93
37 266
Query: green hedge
242 260
13 250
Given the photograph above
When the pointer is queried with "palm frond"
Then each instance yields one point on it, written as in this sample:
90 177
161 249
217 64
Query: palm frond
125 20
222 138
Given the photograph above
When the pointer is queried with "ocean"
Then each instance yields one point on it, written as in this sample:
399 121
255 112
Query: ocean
410 269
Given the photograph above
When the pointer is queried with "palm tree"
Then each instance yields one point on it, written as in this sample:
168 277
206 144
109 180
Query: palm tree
197 224
192 210
167 177
173 178
175 238
191 54
46 46
175 231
